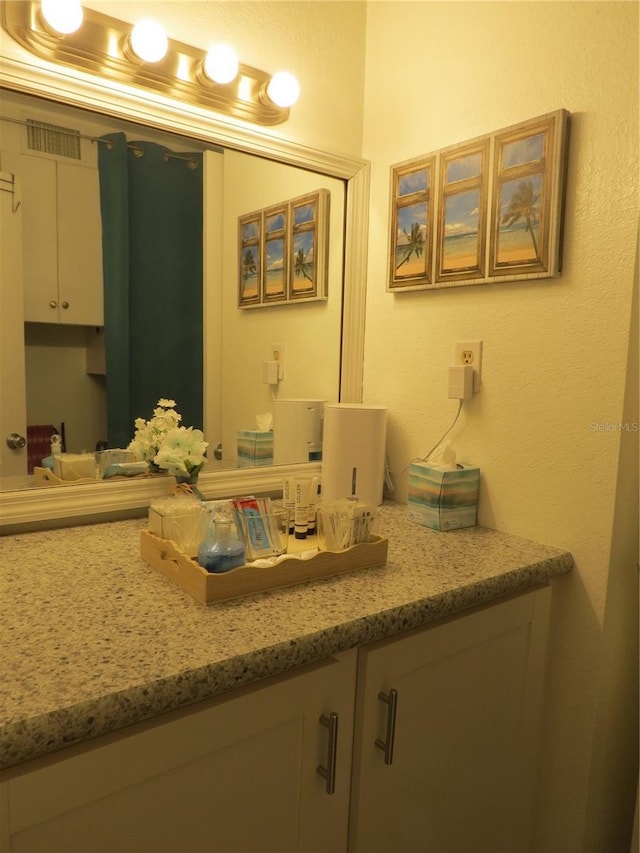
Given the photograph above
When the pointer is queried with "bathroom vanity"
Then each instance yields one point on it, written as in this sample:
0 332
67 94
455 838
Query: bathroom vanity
396 708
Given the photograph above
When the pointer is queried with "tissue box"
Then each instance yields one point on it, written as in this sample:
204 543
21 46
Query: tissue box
75 466
255 448
443 500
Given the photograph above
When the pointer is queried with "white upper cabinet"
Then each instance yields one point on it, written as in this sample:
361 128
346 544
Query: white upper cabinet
62 242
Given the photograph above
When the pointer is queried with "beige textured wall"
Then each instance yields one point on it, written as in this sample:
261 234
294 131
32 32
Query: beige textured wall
555 352
311 332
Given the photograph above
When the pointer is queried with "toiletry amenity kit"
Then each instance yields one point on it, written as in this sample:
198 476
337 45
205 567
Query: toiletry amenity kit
217 550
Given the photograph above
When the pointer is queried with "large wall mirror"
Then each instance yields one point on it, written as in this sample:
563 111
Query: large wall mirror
250 170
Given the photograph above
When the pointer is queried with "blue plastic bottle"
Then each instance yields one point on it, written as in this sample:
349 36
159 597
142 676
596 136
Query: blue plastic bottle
221 551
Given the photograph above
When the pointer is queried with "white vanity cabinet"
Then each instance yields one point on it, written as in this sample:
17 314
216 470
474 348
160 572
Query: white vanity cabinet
240 775
62 242
454 772
446 733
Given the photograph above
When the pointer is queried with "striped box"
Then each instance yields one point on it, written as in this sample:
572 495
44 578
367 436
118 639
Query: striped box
443 500
255 448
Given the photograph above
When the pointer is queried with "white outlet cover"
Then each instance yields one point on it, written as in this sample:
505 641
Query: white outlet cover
474 347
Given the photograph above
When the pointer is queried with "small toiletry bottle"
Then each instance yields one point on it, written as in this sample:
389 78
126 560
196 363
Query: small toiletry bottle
56 448
289 499
221 551
313 506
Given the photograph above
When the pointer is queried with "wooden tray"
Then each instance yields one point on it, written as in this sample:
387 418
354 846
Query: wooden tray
46 477
209 588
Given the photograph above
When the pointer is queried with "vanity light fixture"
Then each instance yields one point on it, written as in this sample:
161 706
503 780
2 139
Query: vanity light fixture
283 89
221 64
144 57
149 41
62 16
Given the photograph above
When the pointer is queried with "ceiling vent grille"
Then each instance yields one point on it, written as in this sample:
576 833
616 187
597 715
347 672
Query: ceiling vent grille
52 139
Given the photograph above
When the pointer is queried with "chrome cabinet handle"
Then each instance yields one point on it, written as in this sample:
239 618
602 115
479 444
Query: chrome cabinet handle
65 305
391 699
53 304
329 772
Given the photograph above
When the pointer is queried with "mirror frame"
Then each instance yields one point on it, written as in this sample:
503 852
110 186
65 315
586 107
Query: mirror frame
61 505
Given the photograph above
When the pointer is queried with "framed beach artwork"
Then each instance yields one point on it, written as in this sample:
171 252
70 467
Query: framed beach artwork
412 224
276 254
249 257
283 252
462 213
483 211
307 274
528 198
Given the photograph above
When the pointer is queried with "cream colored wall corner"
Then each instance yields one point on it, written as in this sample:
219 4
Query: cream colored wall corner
555 352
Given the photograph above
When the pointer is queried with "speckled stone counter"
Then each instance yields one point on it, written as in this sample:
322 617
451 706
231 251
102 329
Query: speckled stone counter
94 639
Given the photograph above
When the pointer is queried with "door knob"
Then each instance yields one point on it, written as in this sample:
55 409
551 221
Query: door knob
15 441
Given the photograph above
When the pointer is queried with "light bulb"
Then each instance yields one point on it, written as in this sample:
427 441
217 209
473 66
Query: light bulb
149 41
283 89
63 16
221 64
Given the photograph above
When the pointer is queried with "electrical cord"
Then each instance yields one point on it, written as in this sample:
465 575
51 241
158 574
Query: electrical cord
436 446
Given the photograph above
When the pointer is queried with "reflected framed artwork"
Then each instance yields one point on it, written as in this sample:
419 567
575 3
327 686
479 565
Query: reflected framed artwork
307 272
249 256
483 211
276 254
283 256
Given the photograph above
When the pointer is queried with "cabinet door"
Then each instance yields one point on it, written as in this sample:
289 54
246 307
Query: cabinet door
13 407
40 230
62 242
462 773
240 775
80 274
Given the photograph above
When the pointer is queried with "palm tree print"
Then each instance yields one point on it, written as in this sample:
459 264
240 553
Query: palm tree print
415 243
524 205
301 265
248 266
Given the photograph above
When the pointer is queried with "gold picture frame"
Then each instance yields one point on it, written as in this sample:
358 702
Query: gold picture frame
249 258
462 213
412 223
528 198
487 210
276 254
283 252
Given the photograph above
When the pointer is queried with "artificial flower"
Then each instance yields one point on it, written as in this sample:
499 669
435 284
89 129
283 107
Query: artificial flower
163 442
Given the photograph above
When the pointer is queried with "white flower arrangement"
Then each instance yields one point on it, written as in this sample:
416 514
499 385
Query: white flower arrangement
161 440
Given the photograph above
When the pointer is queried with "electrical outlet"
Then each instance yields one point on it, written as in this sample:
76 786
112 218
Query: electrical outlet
277 354
470 352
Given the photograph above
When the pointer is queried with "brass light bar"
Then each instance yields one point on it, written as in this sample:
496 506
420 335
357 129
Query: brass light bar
100 46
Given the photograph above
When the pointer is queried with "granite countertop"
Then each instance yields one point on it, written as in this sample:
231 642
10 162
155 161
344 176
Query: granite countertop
94 639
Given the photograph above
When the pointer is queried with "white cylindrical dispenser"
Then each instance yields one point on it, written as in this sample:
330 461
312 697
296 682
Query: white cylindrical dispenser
297 430
353 452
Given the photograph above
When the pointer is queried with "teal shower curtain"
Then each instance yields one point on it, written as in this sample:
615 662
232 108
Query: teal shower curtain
151 206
